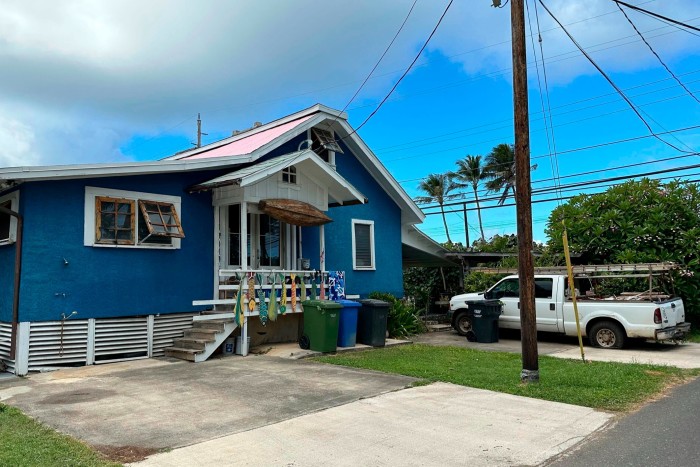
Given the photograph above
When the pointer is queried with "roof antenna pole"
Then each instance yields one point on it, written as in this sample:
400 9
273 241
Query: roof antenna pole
199 131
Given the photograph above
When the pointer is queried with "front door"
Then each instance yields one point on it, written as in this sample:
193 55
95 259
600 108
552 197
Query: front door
265 240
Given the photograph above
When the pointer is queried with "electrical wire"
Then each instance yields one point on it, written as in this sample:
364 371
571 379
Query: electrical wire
584 183
533 115
380 58
656 15
634 26
607 78
391 91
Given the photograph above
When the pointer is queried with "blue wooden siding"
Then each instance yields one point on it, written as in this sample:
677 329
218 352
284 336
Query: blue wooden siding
110 282
388 276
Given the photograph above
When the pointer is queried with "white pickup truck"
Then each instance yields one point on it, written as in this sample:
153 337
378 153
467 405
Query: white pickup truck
606 322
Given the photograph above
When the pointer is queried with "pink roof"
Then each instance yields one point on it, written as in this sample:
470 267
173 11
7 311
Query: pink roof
248 144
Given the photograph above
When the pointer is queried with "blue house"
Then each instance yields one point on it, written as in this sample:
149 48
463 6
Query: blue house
107 262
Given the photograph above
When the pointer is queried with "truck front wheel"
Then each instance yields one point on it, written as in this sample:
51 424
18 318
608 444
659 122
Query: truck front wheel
607 334
463 323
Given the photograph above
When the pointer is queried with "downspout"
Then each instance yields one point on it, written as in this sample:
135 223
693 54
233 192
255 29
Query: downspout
18 273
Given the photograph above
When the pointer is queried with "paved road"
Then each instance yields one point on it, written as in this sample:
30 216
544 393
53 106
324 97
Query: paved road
661 434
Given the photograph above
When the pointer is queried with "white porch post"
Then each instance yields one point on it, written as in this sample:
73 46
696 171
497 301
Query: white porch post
244 267
322 246
293 241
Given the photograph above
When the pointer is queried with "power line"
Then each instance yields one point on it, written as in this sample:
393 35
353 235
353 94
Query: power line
404 73
584 183
553 148
656 15
533 115
656 54
607 78
381 58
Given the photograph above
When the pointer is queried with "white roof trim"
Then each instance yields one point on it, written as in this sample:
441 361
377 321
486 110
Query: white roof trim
256 173
57 172
383 177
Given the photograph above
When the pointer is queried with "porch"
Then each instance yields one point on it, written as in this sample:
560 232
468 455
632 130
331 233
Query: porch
269 295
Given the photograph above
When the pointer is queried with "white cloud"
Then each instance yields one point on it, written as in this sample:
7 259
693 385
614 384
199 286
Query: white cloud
84 75
16 141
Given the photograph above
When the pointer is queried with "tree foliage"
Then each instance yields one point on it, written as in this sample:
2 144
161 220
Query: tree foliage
437 187
637 222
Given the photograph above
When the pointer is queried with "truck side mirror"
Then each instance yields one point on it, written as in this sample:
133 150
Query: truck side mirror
488 295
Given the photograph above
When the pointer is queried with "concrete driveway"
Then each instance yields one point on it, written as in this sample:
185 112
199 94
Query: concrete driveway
132 409
686 355
270 411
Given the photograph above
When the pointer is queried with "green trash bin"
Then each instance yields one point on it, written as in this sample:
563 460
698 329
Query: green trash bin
320 325
485 314
371 322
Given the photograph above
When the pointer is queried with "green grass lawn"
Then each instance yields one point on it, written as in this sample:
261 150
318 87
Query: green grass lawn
24 442
601 385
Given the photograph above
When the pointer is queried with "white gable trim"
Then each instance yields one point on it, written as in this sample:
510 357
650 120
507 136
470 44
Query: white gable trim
59 172
411 213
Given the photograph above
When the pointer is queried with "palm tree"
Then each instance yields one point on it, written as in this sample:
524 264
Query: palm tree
470 173
437 186
500 170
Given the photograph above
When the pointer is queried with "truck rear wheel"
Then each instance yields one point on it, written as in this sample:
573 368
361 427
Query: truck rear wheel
607 335
463 323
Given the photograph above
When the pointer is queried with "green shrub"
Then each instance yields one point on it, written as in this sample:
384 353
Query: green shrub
404 319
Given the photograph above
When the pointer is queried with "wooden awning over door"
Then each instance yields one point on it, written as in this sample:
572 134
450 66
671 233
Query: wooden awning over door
293 212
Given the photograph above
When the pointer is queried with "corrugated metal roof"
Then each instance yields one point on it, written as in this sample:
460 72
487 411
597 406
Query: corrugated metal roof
248 144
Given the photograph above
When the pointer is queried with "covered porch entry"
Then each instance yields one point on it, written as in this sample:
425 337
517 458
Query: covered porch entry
260 213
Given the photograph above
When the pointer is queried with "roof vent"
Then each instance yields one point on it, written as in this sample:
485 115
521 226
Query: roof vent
257 124
236 132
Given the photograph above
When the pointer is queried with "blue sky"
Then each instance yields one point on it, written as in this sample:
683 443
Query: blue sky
88 81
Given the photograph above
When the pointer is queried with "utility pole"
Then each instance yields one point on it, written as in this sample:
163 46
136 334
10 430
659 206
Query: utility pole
523 199
199 131
466 225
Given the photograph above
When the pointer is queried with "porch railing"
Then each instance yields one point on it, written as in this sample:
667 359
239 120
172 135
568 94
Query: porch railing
305 285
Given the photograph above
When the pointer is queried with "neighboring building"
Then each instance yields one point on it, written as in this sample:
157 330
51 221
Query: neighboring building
131 246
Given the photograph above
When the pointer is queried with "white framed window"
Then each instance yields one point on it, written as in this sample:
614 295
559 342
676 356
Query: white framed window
289 175
8 223
363 245
131 219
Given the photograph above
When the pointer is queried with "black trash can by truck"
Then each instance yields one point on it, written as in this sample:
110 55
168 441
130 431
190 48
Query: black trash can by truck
371 322
485 314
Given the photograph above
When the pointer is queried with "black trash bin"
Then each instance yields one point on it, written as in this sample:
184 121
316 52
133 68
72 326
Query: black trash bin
485 314
371 322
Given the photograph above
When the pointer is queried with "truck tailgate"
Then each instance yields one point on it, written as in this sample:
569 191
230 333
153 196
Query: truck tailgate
672 312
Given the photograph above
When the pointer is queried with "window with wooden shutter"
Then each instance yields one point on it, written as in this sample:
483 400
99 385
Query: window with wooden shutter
363 244
130 219
159 222
114 221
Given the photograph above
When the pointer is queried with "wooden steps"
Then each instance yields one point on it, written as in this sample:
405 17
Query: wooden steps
202 339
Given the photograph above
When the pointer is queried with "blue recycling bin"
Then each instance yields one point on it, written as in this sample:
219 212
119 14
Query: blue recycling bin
347 323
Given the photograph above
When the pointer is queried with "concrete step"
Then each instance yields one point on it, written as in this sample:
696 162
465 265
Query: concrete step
216 325
439 327
201 333
191 343
181 353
